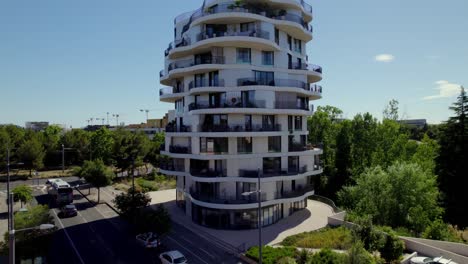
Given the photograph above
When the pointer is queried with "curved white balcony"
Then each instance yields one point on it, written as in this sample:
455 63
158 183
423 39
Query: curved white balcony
220 156
233 203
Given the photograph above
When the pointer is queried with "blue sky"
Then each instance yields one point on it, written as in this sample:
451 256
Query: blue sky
68 61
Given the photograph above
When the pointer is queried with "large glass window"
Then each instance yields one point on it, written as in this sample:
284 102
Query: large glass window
268 121
293 164
244 145
274 144
277 36
246 27
268 58
214 145
298 45
264 78
298 122
290 123
272 166
244 55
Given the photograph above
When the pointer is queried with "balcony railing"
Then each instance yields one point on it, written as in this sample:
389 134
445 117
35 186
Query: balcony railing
250 104
239 128
291 105
178 129
252 33
171 167
305 66
206 83
170 90
193 62
272 173
297 147
269 82
180 149
208 173
299 191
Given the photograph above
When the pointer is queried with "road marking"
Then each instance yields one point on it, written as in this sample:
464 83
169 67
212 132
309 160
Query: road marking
69 239
191 252
212 256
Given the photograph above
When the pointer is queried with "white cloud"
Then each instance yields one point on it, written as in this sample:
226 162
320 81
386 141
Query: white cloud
385 58
446 89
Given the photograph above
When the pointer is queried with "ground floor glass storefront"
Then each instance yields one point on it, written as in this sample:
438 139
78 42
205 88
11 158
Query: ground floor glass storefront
241 219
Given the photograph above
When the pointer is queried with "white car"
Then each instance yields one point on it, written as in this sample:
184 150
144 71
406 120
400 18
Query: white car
426 260
172 257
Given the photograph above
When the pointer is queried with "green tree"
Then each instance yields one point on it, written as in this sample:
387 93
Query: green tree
22 193
51 139
358 255
157 220
96 173
153 155
32 153
4 143
393 248
129 149
101 145
403 195
451 163
79 141
126 203
364 142
391 110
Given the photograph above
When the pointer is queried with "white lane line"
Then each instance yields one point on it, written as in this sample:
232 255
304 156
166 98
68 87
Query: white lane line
69 239
191 252
211 255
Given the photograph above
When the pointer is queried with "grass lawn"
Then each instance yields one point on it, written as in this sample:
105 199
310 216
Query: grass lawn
334 238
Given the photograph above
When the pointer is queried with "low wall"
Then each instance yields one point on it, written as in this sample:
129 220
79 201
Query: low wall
407 259
458 248
418 245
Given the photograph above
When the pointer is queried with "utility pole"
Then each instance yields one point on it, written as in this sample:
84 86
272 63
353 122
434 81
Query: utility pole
8 183
11 230
63 160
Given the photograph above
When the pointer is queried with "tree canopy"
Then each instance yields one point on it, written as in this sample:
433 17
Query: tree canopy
96 173
22 193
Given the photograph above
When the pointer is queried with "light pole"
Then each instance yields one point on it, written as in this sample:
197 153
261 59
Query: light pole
8 182
259 197
63 160
12 231
146 111
117 119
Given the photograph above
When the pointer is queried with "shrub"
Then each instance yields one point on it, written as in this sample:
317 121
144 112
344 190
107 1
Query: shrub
271 255
439 230
125 202
146 185
358 255
364 231
327 256
286 260
392 248
337 238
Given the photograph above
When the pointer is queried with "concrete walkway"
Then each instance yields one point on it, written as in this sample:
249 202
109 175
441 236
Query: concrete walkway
313 218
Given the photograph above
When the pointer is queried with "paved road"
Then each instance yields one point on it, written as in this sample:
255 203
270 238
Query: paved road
3 185
98 235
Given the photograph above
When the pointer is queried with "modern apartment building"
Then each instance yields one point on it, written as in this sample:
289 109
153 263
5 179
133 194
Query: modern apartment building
239 77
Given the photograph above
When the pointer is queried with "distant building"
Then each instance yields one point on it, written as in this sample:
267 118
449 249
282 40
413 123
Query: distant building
414 123
36 126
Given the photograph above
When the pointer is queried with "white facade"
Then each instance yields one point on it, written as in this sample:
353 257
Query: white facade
242 87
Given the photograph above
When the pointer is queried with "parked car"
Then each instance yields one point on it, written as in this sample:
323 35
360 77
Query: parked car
68 210
426 260
172 257
149 240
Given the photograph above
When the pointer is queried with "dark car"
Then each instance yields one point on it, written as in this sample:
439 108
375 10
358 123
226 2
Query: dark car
149 240
68 210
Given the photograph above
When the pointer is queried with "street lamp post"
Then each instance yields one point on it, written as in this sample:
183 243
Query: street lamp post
63 159
8 182
146 111
259 197
12 231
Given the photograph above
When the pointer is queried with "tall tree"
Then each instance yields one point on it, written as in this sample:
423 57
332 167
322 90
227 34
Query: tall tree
153 155
391 110
4 142
129 149
96 173
78 141
451 163
101 145
31 152
51 139
364 142
403 195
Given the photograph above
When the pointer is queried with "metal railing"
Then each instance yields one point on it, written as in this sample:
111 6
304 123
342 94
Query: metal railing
297 147
291 105
171 167
252 33
193 62
178 129
269 82
239 128
208 173
299 191
272 173
226 199
206 83
249 104
170 90
180 149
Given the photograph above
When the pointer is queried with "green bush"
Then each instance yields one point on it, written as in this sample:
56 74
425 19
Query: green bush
271 255
286 260
392 248
327 256
439 230
357 254
336 238
146 185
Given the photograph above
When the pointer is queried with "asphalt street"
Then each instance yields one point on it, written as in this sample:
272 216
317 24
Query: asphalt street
96 236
